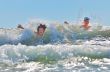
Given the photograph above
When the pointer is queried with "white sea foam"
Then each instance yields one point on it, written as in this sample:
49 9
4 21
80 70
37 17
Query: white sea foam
61 57
80 51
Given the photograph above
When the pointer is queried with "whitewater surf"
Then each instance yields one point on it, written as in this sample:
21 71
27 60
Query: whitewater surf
69 49
55 33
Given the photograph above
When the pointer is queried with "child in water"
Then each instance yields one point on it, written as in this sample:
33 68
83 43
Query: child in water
86 23
29 37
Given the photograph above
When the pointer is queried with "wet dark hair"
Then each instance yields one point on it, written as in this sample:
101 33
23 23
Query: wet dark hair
20 26
86 18
41 26
66 22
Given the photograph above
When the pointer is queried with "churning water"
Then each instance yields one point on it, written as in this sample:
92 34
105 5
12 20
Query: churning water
69 51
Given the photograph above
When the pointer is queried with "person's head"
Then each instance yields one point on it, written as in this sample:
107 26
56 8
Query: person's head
65 22
20 26
86 20
41 29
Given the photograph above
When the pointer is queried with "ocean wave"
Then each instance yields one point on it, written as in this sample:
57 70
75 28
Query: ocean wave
86 56
45 53
56 33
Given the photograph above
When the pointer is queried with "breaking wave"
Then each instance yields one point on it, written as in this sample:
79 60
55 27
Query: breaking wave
55 33
65 48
